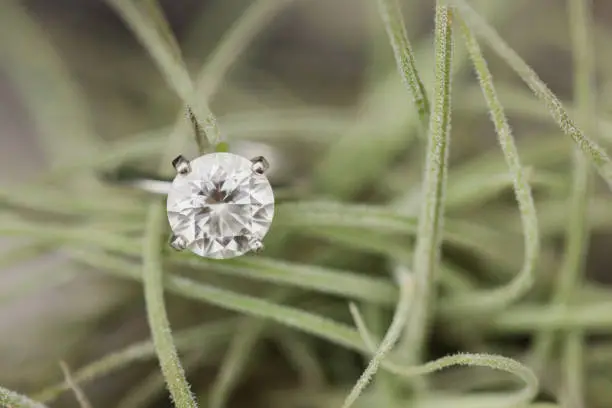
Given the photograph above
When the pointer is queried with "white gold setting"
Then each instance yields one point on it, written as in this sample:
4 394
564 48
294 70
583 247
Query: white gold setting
220 205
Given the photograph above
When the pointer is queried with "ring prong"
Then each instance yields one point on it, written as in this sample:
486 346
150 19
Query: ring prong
256 245
181 165
177 242
260 164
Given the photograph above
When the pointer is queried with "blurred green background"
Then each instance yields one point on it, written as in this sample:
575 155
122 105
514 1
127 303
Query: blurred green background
318 91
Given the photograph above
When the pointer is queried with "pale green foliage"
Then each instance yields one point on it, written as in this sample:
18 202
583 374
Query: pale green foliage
598 156
325 249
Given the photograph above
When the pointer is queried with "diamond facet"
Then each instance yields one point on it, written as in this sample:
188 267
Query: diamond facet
221 208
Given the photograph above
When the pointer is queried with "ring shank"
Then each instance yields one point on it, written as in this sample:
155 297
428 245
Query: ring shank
151 186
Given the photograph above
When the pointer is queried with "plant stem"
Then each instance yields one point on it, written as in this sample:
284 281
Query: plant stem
391 15
393 333
577 231
78 392
499 298
514 399
156 310
428 242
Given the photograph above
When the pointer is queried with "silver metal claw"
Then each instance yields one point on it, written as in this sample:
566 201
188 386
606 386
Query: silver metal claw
260 164
181 165
177 243
256 246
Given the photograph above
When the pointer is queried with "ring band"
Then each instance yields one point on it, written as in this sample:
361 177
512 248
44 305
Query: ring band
134 178
151 186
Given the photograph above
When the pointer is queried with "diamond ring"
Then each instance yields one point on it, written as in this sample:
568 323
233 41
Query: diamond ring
220 205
